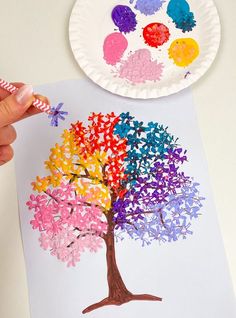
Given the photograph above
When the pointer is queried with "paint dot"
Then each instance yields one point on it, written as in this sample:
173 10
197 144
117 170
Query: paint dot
139 67
156 34
184 51
179 12
124 18
114 47
148 7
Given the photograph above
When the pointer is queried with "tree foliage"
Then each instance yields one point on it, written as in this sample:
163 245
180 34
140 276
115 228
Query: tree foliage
119 168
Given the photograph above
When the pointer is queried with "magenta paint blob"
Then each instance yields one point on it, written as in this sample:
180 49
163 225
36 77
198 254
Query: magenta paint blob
124 18
139 67
114 47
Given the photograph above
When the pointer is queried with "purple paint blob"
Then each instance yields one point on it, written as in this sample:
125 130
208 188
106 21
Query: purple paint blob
139 68
124 18
148 7
114 47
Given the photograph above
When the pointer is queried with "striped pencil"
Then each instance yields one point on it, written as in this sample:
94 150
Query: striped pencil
37 103
54 113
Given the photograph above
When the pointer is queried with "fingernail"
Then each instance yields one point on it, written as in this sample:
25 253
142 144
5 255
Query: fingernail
24 94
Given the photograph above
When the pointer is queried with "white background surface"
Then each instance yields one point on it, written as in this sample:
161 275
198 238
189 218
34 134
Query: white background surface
35 49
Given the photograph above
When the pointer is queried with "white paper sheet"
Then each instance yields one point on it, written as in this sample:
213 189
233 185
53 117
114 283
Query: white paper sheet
190 275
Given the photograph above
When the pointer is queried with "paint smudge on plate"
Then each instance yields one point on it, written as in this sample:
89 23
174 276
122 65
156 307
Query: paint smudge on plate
156 34
184 51
187 74
114 47
139 67
124 18
148 7
179 12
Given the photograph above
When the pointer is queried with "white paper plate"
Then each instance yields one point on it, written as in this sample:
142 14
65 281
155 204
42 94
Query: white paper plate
91 22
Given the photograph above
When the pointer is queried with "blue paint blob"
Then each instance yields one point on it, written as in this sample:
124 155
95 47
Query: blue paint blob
179 12
148 7
124 18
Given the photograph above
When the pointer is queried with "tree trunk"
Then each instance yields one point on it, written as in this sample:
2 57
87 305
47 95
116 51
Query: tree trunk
117 289
118 293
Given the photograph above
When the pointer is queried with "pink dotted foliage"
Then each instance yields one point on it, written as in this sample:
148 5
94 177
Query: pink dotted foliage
68 223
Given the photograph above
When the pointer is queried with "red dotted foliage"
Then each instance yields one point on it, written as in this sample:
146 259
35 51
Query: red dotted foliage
99 137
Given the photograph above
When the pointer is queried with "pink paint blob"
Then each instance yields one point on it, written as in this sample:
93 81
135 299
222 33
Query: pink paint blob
114 47
139 67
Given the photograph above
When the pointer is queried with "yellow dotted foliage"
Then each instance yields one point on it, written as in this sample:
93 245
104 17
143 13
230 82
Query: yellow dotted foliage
67 163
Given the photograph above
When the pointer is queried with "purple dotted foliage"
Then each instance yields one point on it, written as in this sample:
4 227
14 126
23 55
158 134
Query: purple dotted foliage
161 201
124 18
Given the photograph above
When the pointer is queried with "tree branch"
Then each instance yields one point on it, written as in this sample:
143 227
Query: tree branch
84 176
157 211
132 224
89 232
51 196
88 176
81 203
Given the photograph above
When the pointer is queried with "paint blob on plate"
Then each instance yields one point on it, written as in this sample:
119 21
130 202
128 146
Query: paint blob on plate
148 7
156 34
144 48
114 47
179 12
139 68
184 51
124 18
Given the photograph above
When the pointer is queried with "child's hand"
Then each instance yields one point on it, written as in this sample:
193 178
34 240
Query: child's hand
13 108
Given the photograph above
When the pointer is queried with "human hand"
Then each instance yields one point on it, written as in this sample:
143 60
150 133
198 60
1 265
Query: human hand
14 108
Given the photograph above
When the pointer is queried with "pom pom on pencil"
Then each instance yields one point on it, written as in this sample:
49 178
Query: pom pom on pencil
55 113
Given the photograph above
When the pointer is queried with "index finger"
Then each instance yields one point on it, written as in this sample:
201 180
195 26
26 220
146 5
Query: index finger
4 93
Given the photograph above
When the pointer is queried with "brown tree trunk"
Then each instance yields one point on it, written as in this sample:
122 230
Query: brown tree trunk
117 289
118 293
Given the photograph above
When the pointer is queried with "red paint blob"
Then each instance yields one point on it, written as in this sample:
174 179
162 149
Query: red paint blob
156 34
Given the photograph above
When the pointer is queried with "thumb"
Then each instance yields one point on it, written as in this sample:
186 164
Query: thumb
15 105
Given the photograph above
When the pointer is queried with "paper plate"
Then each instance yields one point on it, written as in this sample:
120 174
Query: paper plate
91 22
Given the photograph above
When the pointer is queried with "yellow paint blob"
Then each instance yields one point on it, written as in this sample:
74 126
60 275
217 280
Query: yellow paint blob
184 51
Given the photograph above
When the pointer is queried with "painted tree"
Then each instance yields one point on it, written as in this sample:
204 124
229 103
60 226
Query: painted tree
113 179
